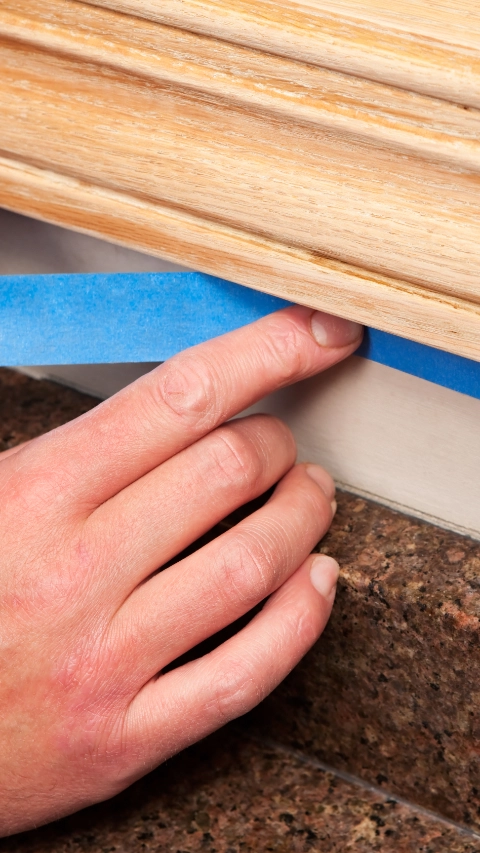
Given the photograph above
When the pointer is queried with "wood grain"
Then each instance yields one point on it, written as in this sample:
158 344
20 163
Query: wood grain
295 274
337 191
428 46
404 120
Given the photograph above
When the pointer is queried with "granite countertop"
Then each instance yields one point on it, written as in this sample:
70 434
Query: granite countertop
398 667
390 694
231 794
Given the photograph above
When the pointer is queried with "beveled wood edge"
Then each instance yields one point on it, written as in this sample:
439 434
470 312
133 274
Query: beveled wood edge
404 121
417 62
295 274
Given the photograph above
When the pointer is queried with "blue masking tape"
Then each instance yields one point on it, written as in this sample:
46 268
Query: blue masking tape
121 317
443 368
95 318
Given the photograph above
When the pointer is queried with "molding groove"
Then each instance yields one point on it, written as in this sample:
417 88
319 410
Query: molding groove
181 131
426 46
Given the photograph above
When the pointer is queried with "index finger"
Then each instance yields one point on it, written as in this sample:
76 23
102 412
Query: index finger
168 409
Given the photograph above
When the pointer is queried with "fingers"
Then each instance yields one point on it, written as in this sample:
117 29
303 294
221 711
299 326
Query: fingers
102 452
226 578
158 516
188 703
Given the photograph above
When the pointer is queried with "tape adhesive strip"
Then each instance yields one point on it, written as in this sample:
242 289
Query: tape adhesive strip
135 317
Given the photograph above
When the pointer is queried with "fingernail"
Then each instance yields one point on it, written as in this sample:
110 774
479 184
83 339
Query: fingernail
324 575
334 508
330 331
323 479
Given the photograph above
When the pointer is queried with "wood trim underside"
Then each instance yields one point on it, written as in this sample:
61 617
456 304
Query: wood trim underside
335 191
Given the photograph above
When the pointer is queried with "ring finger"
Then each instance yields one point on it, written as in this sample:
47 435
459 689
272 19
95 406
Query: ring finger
195 598
154 519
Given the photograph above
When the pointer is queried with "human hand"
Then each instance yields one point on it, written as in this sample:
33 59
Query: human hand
88 514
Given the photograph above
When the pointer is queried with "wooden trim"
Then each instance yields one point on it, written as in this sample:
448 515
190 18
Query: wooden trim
291 273
421 45
335 191
403 120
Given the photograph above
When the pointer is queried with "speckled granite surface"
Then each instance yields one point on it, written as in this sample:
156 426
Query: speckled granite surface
29 407
230 795
391 693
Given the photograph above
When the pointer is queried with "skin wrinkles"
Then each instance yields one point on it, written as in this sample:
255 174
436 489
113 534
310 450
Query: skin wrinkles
188 391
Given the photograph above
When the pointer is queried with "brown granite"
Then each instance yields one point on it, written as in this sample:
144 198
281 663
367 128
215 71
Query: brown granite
29 407
391 692
231 795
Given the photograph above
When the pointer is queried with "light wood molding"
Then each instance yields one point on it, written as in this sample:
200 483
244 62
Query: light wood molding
331 156
426 46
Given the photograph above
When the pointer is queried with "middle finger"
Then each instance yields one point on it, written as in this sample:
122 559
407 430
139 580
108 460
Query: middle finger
212 588
158 516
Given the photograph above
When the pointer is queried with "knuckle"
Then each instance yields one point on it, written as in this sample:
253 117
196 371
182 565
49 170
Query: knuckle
286 347
246 572
39 492
300 621
236 458
188 388
305 628
235 691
